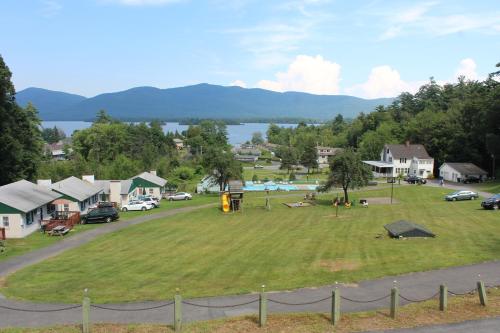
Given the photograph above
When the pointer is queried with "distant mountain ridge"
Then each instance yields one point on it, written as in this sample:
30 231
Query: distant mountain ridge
198 101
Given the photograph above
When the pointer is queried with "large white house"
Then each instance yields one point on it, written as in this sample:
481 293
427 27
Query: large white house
457 172
324 154
23 206
403 159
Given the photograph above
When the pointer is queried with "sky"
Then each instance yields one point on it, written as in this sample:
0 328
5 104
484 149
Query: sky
368 49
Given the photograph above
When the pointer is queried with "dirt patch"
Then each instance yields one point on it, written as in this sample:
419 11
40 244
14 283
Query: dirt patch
339 265
381 201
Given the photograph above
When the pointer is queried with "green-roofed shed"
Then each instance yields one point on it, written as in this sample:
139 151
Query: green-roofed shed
404 228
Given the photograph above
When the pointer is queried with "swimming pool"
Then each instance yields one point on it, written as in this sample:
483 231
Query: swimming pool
271 186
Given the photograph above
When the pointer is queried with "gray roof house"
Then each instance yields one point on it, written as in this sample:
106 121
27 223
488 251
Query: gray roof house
23 205
457 172
79 191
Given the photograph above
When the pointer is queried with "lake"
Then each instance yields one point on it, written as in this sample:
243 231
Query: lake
236 133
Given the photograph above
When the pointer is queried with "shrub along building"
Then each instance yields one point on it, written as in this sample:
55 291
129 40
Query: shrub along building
79 195
23 206
403 159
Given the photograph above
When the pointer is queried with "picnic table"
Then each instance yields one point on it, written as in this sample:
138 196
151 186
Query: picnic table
60 230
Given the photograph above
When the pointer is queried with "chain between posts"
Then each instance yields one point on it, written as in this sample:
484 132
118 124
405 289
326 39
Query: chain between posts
306 303
34 310
420 300
131 310
219 306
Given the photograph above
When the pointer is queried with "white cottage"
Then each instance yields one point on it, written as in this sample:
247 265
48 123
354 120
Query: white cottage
457 172
79 194
403 159
23 206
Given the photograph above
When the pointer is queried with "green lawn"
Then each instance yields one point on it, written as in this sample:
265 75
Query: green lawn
37 240
490 186
208 253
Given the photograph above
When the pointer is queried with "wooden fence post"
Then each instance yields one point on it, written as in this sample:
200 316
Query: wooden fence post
335 306
394 300
262 308
86 312
177 311
482 293
443 297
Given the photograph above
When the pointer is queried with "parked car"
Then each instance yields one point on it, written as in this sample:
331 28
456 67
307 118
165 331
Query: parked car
415 180
491 203
461 195
136 205
101 214
258 166
180 196
471 179
150 199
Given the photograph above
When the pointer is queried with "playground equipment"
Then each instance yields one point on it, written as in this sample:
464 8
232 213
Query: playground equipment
233 198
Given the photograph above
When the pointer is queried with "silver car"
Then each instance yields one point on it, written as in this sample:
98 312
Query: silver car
179 196
461 195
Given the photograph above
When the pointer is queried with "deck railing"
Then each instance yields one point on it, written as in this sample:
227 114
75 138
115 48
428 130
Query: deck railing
67 219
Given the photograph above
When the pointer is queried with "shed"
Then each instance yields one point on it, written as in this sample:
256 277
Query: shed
404 228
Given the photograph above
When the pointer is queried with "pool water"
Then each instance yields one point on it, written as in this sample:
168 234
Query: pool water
271 186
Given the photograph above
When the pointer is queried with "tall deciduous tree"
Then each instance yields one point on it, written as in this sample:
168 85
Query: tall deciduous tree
347 171
288 157
221 165
20 135
309 157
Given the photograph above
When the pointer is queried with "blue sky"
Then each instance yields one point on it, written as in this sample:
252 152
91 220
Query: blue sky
363 48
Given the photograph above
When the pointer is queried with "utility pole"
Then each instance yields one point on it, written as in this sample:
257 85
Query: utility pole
392 188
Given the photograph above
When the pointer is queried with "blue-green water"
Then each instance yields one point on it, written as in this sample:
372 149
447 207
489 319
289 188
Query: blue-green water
236 133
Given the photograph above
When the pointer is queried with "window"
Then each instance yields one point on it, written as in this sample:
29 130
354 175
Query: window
402 160
29 218
151 191
66 207
5 221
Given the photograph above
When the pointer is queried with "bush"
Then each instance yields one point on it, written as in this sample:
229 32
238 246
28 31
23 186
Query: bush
184 173
292 176
266 179
278 179
255 178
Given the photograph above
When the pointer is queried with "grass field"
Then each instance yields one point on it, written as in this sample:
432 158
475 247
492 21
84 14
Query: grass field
37 240
207 253
460 309
491 186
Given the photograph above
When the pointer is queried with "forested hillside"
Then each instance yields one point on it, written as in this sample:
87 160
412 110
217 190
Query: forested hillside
456 122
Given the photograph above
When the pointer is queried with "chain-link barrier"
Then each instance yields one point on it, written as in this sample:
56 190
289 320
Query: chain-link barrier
41 310
219 306
306 303
419 300
131 310
364 301
462 294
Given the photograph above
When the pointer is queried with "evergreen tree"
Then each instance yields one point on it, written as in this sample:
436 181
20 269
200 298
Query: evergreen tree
20 135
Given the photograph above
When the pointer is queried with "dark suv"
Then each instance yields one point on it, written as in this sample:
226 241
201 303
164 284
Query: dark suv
471 179
416 180
101 214
491 203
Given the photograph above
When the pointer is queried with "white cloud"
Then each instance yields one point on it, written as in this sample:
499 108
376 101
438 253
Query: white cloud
419 20
467 68
314 75
145 2
238 83
384 81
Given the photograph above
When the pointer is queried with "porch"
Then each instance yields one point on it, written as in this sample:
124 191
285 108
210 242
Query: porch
61 218
380 169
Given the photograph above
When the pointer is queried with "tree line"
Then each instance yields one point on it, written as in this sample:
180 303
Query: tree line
457 122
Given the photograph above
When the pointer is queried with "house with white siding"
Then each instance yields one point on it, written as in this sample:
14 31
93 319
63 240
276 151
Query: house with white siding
325 153
148 183
458 172
79 194
23 206
402 159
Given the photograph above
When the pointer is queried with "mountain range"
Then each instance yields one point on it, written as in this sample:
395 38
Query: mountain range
201 101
